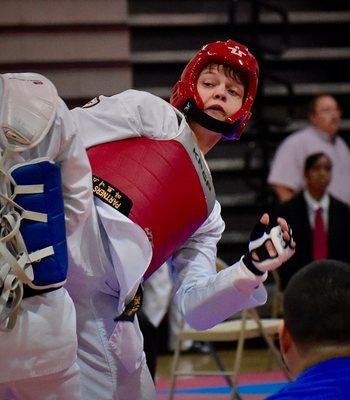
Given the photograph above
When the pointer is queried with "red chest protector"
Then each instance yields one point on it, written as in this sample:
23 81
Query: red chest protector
164 186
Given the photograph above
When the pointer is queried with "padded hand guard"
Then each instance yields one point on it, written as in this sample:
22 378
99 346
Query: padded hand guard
261 261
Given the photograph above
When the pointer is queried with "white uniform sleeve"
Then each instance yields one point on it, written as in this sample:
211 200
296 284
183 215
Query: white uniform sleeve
125 115
286 167
75 172
203 296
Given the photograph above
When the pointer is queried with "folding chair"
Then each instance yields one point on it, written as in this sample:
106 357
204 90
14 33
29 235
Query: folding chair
250 325
277 299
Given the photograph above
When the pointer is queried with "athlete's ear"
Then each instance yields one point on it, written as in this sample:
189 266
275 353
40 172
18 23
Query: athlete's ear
285 338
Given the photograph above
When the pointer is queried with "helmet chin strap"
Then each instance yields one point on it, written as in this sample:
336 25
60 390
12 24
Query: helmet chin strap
228 131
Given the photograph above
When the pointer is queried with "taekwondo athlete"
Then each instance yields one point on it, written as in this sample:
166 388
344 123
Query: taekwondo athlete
154 199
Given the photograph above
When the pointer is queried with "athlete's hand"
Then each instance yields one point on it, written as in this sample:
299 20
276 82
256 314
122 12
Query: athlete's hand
269 246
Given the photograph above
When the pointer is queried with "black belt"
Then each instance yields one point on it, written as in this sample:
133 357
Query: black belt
30 292
132 308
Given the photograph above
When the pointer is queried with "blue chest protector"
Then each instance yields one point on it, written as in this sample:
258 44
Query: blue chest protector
38 232
33 248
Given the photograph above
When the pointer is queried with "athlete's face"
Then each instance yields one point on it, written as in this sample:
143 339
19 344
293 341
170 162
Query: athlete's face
221 93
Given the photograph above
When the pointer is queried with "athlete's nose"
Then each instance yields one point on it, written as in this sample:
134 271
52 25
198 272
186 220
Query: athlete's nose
220 92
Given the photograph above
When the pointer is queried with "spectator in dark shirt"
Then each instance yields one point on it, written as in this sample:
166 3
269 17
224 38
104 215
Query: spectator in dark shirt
320 222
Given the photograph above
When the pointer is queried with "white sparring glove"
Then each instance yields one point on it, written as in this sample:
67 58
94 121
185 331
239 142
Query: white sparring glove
261 261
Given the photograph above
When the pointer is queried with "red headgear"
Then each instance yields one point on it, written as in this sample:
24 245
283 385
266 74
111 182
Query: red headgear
185 96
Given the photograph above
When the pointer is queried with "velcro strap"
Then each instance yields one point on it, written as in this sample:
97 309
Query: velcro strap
42 253
28 189
4 271
8 321
15 264
14 221
34 216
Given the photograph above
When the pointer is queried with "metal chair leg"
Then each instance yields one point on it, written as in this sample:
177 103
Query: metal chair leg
174 369
219 364
238 357
271 345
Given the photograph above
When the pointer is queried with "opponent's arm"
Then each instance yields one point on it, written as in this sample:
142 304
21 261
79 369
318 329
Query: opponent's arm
75 170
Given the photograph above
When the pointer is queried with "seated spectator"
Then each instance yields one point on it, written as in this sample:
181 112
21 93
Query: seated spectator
321 135
320 222
315 336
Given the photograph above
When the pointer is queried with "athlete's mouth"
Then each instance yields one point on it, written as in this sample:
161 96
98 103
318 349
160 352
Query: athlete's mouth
216 108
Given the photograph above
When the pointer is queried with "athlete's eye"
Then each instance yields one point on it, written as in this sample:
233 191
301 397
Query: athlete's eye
208 84
234 93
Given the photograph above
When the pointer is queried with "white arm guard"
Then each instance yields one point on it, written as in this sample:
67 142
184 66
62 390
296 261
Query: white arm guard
28 109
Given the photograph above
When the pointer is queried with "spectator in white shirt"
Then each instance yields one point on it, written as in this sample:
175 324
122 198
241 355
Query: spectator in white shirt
321 135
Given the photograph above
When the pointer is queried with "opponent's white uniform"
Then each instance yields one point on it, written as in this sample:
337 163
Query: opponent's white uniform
110 255
38 357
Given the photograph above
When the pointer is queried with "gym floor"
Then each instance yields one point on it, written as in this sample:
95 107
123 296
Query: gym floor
257 368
